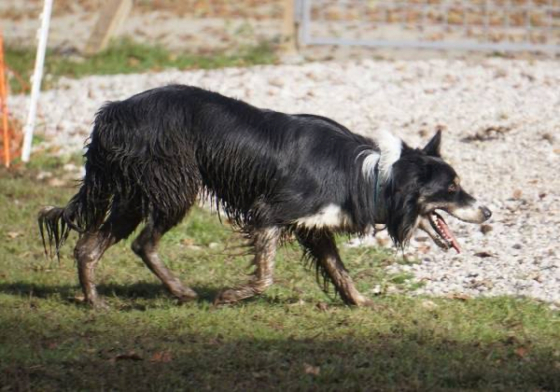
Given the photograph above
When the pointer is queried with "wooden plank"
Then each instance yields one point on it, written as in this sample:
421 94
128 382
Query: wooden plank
111 17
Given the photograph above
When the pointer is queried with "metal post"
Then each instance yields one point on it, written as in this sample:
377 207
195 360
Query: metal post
36 80
4 103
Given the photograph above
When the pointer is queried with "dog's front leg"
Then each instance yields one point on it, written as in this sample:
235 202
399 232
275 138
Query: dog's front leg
264 242
321 247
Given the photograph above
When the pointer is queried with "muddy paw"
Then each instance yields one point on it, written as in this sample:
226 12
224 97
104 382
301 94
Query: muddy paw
187 296
362 302
98 304
228 296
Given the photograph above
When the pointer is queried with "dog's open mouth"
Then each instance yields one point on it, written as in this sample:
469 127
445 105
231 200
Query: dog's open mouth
443 237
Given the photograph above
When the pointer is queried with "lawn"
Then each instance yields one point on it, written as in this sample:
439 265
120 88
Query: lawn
124 57
295 337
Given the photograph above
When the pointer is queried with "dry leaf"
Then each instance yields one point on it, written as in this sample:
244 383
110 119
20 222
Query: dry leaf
14 234
310 369
131 356
459 296
187 241
521 352
161 356
52 345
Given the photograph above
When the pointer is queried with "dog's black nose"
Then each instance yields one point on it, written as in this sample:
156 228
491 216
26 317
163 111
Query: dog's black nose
487 213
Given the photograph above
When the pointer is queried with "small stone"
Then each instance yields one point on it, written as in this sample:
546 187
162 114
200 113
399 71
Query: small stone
70 167
43 175
429 305
549 137
57 182
276 82
376 290
213 245
485 229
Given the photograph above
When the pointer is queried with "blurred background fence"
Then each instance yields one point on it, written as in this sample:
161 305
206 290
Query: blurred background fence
207 26
501 25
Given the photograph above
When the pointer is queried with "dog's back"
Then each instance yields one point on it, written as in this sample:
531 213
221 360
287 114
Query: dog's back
161 147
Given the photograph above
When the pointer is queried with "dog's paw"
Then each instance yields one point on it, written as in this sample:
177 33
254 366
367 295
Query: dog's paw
95 303
187 296
363 302
98 305
224 297
368 303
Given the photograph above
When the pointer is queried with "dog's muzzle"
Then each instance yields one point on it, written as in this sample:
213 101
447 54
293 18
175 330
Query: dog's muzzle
472 214
436 227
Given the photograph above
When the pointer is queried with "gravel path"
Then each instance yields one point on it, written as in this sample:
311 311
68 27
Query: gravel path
501 132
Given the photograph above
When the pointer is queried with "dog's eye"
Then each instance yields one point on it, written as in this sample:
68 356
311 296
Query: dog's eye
453 188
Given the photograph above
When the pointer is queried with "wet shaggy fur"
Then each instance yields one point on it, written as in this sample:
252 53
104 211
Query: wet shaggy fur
151 156
155 151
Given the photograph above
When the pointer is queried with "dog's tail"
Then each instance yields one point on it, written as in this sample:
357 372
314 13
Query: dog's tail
87 210
54 227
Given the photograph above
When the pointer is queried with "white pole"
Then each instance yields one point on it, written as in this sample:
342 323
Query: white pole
36 80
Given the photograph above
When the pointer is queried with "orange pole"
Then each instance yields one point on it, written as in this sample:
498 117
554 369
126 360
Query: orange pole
4 102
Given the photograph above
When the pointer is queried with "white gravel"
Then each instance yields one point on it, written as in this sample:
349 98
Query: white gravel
516 172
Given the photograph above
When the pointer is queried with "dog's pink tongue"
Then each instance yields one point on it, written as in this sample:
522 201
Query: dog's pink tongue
449 234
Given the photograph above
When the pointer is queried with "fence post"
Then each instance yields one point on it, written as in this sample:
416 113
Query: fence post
111 17
290 29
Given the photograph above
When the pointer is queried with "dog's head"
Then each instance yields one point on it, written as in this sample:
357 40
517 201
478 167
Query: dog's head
421 185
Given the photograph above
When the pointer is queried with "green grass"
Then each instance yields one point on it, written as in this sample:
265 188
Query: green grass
126 56
292 338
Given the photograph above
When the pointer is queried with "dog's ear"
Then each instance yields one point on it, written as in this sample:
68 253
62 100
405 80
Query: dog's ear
433 146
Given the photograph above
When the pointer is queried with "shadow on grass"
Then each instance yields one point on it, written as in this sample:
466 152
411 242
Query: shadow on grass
29 290
258 347
139 290
388 362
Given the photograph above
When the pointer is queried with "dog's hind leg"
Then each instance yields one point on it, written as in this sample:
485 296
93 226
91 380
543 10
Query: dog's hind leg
89 249
91 246
264 242
320 246
145 246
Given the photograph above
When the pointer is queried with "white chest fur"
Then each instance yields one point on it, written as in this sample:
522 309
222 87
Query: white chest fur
331 216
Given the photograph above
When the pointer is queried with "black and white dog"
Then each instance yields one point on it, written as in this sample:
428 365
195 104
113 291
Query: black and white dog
150 156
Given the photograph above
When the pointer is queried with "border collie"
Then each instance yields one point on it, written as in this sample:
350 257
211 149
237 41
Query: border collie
150 156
